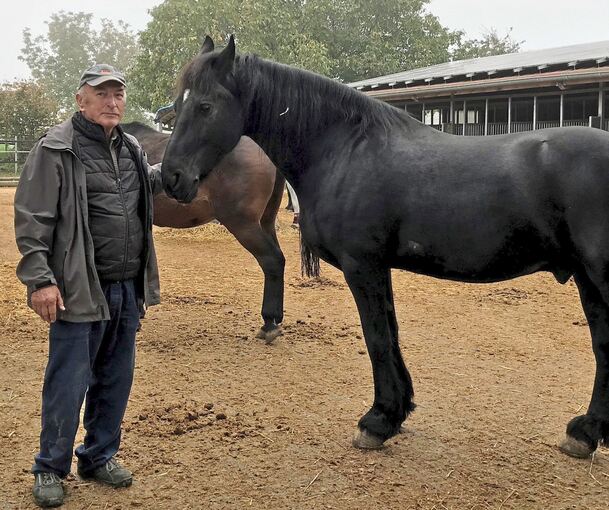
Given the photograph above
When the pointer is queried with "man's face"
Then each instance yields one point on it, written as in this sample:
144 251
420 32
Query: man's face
104 104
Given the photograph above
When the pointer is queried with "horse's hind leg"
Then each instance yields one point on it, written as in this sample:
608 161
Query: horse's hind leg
269 216
586 431
393 392
265 249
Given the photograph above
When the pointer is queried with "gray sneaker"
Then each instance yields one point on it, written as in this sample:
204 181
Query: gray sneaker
48 490
111 473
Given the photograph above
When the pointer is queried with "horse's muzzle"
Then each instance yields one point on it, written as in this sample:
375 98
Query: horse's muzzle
177 185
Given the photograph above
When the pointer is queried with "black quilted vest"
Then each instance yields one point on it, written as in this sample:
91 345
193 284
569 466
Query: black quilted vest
113 195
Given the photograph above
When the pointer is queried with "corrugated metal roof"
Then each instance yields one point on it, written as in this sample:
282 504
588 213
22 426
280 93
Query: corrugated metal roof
488 66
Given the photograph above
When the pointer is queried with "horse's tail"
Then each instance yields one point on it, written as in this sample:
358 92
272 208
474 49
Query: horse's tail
309 262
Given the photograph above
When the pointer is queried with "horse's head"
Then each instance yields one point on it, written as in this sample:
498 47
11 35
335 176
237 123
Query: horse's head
209 120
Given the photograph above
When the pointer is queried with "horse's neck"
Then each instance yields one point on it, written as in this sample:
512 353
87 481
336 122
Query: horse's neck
288 111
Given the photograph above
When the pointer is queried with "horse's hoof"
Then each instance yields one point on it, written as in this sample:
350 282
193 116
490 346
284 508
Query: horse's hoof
366 441
575 448
269 336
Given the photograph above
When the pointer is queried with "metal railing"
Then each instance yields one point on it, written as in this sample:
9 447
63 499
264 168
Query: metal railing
473 129
570 123
497 128
502 128
12 154
543 124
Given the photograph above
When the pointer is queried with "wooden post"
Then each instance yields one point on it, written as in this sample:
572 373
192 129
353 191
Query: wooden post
464 115
534 113
16 156
601 103
562 108
509 114
486 117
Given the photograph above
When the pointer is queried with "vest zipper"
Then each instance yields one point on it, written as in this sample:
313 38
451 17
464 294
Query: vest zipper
122 199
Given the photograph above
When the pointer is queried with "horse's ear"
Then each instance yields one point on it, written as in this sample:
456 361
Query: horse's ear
208 45
225 61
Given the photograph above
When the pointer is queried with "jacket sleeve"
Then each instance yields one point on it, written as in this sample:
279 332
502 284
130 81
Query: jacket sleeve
154 171
36 213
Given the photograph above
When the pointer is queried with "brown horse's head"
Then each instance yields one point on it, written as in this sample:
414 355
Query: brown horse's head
209 120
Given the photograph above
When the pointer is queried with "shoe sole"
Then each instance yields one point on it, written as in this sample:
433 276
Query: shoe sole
117 485
52 503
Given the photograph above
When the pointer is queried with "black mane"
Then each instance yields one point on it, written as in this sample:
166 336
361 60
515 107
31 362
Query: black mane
280 99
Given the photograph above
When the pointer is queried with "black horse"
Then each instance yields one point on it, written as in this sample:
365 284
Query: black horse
380 190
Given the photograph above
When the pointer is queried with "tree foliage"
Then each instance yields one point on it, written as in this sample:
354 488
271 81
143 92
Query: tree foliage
343 39
491 43
26 111
368 38
71 45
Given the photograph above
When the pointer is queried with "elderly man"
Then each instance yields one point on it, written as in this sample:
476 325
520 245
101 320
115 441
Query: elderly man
83 224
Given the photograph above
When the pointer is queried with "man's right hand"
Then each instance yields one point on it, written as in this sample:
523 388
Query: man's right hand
45 302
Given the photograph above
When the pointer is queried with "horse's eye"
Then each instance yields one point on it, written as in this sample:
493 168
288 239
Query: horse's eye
205 108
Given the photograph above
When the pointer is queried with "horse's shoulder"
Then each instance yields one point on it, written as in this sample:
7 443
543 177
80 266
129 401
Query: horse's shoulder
247 153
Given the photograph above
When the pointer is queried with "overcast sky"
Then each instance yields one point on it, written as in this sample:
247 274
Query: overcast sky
540 23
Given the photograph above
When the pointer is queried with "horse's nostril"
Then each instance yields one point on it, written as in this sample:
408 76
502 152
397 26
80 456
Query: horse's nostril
176 179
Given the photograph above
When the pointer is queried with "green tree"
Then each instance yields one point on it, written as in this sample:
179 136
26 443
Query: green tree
343 39
491 43
170 40
26 110
71 45
368 38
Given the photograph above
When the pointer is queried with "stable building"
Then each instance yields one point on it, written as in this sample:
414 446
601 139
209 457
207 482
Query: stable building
501 94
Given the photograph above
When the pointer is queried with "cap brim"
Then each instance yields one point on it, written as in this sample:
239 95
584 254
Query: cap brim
103 79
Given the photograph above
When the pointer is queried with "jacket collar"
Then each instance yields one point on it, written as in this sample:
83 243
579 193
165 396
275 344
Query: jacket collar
94 131
60 137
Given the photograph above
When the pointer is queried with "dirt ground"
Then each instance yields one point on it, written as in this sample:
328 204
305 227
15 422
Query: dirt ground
219 420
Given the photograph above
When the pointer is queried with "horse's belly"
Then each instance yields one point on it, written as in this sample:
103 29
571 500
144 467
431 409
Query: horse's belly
476 263
170 213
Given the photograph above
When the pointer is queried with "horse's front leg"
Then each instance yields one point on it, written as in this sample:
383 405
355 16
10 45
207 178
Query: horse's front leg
393 392
585 432
268 254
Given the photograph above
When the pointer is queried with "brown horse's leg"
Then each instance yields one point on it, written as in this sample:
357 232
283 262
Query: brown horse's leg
264 247
269 217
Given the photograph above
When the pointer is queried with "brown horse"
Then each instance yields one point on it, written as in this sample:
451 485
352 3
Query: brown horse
244 193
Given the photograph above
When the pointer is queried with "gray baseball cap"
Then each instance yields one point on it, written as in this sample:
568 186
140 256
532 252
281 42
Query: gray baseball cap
100 73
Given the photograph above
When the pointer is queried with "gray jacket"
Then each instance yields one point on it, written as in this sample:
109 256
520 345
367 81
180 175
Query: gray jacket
52 232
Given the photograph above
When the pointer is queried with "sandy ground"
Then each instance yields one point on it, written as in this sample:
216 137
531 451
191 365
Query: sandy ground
219 420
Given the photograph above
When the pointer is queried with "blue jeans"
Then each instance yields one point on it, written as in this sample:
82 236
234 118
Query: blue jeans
96 359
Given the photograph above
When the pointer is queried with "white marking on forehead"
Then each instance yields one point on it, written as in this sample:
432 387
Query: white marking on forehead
186 94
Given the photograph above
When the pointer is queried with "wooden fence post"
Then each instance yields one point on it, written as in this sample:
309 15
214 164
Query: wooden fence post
16 156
